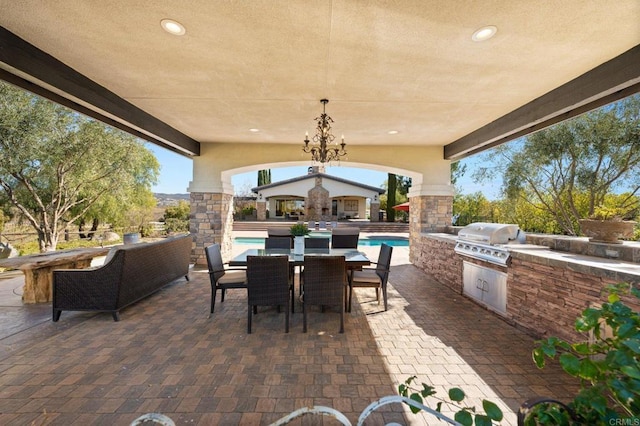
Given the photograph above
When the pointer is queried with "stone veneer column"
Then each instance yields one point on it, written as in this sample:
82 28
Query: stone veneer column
210 221
428 213
261 210
374 212
318 203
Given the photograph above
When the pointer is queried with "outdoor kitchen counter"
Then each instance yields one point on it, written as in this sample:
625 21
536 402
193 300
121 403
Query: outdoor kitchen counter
617 270
547 286
614 269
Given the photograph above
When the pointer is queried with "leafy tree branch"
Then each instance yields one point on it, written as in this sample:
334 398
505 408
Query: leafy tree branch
56 166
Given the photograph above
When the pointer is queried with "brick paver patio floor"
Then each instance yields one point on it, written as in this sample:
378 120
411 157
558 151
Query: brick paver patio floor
167 356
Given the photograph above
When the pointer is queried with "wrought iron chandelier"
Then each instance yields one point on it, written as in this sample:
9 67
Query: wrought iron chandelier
321 147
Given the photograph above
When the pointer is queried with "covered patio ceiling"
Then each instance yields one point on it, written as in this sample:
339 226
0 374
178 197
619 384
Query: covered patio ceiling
253 72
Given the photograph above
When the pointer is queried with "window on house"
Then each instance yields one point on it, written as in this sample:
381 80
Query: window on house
289 207
351 205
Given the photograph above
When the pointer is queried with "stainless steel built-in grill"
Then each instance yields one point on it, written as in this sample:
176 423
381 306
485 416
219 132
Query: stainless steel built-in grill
485 241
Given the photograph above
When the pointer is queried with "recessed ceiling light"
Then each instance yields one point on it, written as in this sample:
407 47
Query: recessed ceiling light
484 33
173 27
254 130
393 132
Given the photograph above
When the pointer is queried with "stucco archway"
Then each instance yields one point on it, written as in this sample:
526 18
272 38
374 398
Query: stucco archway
211 190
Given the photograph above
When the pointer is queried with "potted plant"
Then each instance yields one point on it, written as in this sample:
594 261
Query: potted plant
606 364
299 230
608 224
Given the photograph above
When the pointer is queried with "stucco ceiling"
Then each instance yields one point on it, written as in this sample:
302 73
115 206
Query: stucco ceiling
407 66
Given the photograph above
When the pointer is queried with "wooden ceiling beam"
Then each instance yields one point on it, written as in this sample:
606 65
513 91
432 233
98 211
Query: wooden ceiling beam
32 69
607 83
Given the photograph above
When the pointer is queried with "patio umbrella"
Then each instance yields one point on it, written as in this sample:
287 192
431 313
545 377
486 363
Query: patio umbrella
404 207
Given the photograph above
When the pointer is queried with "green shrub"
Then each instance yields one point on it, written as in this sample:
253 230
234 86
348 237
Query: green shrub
180 211
466 416
608 365
32 247
176 225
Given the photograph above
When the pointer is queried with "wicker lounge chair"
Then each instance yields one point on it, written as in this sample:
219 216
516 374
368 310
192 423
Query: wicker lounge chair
129 274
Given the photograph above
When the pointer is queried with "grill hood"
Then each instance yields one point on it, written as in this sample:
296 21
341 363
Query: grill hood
485 241
490 233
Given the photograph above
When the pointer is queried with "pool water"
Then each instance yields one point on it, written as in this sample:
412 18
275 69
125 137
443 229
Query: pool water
367 242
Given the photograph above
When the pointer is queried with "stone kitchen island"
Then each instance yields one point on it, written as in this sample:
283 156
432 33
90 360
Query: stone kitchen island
549 279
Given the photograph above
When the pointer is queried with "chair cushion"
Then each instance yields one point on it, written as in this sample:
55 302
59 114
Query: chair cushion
366 276
233 277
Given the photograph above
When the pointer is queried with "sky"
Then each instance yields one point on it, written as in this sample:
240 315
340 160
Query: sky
176 172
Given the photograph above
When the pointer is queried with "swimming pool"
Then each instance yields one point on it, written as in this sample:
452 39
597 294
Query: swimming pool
365 241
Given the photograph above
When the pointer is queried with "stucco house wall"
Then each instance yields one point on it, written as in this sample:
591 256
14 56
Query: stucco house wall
351 197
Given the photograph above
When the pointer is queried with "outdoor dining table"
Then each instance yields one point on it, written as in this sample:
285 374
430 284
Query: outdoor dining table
353 258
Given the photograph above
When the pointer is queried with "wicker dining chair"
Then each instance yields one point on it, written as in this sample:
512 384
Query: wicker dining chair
278 243
316 243
278 232
345 238
283 243
373 277
324 284
222 278
268 285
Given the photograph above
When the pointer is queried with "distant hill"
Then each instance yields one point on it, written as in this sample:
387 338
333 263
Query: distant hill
170 199
161 196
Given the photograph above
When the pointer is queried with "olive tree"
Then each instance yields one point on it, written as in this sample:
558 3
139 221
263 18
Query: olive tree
55 165
469 208
571 169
